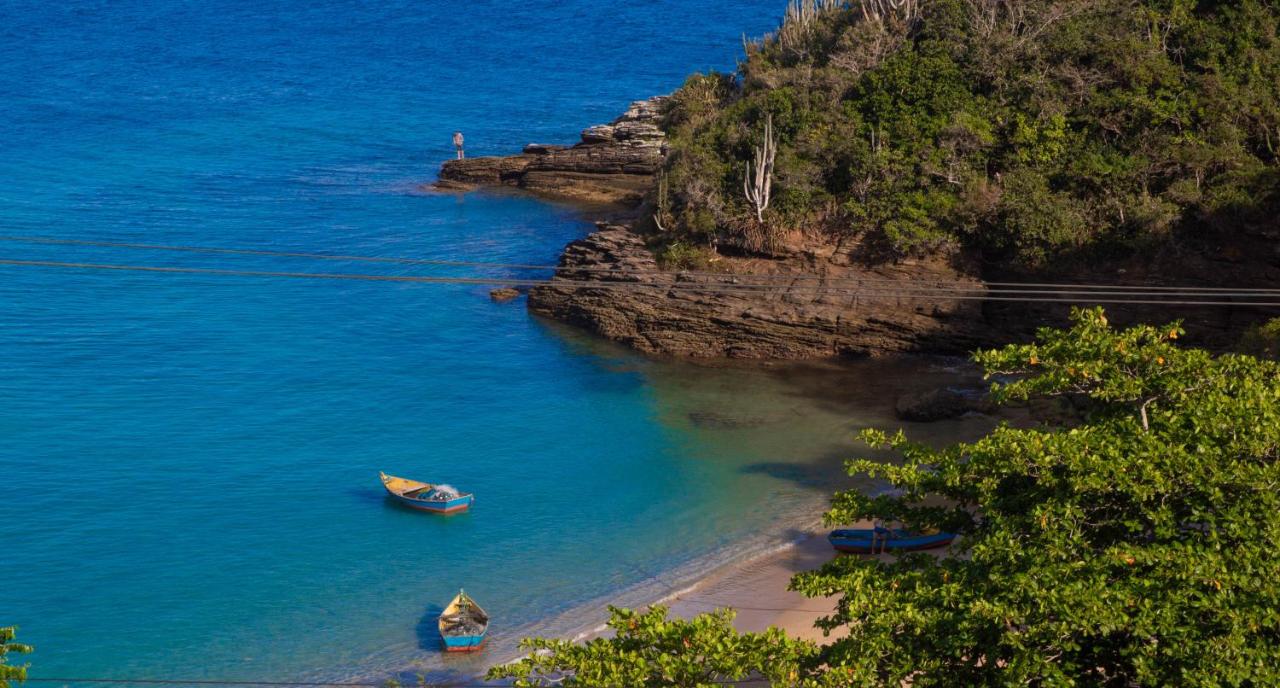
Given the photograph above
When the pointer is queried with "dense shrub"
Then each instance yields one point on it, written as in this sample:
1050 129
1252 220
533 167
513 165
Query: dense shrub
1262 340
1135 548
1026 128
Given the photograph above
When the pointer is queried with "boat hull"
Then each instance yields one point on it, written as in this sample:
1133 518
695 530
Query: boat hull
463 625
411 494
451 506
864 542
467 643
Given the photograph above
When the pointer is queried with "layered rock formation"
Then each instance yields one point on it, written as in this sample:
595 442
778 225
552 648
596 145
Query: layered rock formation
1243 254
799 308
613 163
762 308
800 303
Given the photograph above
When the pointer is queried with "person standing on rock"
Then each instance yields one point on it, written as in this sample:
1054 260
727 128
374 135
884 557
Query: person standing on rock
457 143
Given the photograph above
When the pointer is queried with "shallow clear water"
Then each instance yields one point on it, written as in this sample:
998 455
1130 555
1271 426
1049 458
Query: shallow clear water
188 464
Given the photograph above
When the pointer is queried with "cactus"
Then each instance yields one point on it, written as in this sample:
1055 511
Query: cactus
878 10
758 185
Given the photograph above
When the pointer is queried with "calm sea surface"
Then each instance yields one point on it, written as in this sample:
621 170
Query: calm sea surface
188 464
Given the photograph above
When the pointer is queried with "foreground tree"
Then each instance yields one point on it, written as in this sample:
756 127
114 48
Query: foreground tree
648 649
9 672
1137 549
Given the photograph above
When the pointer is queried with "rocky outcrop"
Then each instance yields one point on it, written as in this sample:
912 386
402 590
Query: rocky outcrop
613 163
1242 254
941 404
800 303
799 308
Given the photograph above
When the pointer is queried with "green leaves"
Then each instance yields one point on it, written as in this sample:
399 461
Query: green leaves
9 672
1119 552
1136 549
648 649
1030 129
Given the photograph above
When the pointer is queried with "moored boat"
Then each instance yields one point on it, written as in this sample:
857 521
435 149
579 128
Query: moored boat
463 625
876 540
440 499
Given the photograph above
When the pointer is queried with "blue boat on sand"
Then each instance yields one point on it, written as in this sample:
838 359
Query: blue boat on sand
440 499
877 540
463 625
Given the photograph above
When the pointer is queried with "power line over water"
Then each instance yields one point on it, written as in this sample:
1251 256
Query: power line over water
763 278
703 282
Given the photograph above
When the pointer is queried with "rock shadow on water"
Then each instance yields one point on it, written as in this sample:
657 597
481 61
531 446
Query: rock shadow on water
707 419
870 385
625 367
826 473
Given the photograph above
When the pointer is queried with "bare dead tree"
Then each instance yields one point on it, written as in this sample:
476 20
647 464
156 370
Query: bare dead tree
662 201
799 22
803 13
908 11
1022 21
758 182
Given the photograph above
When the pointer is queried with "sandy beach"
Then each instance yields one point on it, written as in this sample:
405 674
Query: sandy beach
757 589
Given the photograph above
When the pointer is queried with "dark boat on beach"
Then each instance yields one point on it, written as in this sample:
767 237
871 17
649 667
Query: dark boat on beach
877 540
463 625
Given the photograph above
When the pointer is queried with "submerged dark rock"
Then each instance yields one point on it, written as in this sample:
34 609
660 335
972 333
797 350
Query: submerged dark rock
941 404
715 420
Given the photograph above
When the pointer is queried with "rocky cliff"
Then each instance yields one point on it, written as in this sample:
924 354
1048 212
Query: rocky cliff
792 316
800 303
613 163
1233 252
797 308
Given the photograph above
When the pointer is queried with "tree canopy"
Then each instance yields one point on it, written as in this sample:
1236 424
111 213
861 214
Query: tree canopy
1027 128
1136 548
648 649
9 672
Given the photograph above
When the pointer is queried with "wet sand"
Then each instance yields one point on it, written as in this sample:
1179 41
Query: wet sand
757 589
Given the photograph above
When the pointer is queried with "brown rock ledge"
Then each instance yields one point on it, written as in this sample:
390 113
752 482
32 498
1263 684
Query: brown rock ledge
660 312
614 163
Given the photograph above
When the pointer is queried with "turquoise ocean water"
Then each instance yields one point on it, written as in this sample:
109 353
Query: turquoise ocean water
188 464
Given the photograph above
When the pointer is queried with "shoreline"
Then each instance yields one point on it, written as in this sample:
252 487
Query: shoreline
757 589
748 570
751 575
683 588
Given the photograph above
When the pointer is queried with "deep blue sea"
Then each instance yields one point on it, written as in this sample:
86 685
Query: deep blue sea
188 463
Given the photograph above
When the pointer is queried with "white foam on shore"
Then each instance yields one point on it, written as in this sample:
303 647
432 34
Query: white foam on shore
587 620
672 584
767 552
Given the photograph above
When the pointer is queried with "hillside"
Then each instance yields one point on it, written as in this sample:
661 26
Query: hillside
936 145
1031 130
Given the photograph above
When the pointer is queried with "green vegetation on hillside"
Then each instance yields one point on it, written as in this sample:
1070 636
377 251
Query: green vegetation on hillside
1136 549
1262 340
1027 128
